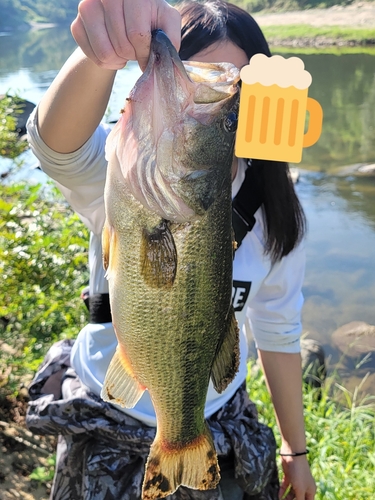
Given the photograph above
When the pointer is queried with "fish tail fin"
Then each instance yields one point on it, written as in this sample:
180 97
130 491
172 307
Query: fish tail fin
169 466
120 385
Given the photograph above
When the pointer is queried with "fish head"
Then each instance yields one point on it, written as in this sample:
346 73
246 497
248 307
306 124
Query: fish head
174 142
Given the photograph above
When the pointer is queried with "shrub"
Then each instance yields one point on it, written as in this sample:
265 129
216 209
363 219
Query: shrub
43 266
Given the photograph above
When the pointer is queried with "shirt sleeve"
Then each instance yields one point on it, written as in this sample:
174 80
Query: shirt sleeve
275 312
80 175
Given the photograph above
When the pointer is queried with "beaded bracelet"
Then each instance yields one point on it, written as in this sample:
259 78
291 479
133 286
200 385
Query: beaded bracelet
294 454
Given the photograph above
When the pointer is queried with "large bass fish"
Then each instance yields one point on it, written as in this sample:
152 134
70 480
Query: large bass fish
168 250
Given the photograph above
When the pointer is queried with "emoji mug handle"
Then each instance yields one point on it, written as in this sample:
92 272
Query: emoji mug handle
315 122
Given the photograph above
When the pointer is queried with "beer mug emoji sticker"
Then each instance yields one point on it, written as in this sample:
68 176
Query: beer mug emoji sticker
273 106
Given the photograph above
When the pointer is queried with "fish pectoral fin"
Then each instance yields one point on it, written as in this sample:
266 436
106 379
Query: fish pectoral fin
159 256
120 385
227 358
169 466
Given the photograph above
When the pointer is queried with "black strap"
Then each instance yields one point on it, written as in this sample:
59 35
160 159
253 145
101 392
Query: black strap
100 310
247 201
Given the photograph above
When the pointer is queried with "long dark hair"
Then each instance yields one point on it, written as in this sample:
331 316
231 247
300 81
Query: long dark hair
202 25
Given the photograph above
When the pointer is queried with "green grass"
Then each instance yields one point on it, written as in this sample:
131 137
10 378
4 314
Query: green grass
319 34
45 474
340 434
276 6
333 50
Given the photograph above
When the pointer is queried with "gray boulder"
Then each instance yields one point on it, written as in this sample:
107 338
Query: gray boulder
313 362
355 339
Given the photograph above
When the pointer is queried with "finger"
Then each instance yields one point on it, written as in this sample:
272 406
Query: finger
300 493
115 24
282 493
92 35
139 22
284 490
310 495
80 36
169 20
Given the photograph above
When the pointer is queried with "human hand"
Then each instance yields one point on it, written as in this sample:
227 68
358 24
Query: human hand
113 32
298 483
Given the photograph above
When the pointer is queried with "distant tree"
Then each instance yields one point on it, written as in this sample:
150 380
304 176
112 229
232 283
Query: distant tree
16 12
11 14
49 11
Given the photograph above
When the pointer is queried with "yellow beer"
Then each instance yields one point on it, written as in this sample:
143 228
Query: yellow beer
271 122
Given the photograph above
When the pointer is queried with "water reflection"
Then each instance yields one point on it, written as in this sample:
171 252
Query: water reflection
339 285
40 50
345 87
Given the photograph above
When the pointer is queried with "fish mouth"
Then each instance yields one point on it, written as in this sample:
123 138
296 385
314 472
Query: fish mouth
164 55
206 82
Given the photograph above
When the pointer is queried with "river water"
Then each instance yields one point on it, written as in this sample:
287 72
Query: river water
339 284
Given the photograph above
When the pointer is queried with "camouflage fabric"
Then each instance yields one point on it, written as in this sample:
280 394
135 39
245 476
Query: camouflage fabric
101 451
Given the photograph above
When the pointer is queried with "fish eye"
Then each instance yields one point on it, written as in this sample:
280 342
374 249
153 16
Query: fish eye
230 122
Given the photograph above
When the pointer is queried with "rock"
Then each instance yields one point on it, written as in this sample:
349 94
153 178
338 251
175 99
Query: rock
7 349
294 174
355 338
367 169
313 362
23 109
357 169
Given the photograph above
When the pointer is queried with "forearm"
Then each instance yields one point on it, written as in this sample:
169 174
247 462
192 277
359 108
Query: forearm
74 104
283 375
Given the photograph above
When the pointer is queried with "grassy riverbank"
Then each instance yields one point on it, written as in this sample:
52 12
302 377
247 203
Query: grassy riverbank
304 35
343 26
340 433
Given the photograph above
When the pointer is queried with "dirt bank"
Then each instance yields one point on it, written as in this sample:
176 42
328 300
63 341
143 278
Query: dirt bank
357 15
21 453
352 25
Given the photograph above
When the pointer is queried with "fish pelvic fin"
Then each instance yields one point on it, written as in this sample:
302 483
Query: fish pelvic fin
159 256
169 466
120 385
109 241
227 360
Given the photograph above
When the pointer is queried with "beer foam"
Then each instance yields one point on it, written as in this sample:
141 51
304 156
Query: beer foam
276 70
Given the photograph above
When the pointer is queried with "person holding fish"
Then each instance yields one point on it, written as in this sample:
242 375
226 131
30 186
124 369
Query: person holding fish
171 308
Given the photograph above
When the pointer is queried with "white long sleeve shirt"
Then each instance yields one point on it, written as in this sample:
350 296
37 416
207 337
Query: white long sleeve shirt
267 297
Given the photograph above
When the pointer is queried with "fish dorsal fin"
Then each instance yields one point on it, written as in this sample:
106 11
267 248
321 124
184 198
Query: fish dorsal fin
159 256
227 359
